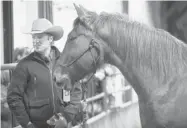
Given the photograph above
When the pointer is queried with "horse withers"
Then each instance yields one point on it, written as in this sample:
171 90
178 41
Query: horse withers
152 60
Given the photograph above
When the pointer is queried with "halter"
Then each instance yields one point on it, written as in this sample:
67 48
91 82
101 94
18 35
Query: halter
91 45
84 83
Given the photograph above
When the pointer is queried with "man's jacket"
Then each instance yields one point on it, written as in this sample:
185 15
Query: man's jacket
32 95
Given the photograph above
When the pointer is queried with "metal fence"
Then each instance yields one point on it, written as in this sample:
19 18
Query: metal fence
107 117
9 67
93 121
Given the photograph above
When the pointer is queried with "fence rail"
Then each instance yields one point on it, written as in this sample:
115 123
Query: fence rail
107 117
103 114
8 66
101 95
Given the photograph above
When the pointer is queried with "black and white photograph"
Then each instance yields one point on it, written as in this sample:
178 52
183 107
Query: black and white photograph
93 64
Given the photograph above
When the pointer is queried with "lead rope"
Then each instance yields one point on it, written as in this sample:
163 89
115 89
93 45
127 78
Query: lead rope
84 88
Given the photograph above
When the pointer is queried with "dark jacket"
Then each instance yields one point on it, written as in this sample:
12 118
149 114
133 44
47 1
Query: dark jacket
32 95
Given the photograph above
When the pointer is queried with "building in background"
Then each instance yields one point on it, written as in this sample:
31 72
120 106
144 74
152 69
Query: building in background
168 15
24 12
17 16
1 34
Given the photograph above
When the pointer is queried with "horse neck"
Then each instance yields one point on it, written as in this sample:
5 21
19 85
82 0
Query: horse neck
143 75
132 75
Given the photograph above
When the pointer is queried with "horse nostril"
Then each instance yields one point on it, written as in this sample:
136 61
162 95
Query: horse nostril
60 84
54 78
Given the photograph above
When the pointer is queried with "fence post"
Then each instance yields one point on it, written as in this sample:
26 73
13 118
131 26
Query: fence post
10 67
105 96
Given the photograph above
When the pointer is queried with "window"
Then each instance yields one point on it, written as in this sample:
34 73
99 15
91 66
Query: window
24 14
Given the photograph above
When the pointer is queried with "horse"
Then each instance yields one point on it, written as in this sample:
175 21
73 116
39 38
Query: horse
152 60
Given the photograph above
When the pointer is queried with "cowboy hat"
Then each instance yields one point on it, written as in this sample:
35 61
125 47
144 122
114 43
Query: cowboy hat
45 26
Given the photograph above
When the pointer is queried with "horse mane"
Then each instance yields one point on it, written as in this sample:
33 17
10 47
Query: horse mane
154 51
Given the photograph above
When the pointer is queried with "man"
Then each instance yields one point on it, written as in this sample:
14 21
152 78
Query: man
32 96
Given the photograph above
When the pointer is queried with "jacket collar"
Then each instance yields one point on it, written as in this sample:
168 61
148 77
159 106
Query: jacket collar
44 60
55 54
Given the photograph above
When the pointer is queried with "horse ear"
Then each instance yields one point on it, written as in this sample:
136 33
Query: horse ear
85 10
84 15
81 12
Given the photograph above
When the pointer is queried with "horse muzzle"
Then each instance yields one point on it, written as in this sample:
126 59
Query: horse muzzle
63 82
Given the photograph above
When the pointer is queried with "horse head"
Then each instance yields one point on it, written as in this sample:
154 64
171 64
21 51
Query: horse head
83 52
152 61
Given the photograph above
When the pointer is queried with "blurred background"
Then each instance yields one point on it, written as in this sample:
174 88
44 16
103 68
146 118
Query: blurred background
16 17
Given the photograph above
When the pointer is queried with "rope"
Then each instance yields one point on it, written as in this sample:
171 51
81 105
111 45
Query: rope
84 88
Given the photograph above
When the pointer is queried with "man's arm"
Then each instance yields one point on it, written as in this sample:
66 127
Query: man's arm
15 95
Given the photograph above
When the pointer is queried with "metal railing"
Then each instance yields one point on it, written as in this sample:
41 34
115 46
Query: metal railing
10 66
106 112
103 114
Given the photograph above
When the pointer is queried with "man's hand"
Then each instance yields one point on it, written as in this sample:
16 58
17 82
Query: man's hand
30 125
61 123
58 121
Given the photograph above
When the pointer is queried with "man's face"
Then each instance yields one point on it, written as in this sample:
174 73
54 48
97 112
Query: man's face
41 42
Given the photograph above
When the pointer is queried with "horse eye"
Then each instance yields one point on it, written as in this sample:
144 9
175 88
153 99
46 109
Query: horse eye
71 38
